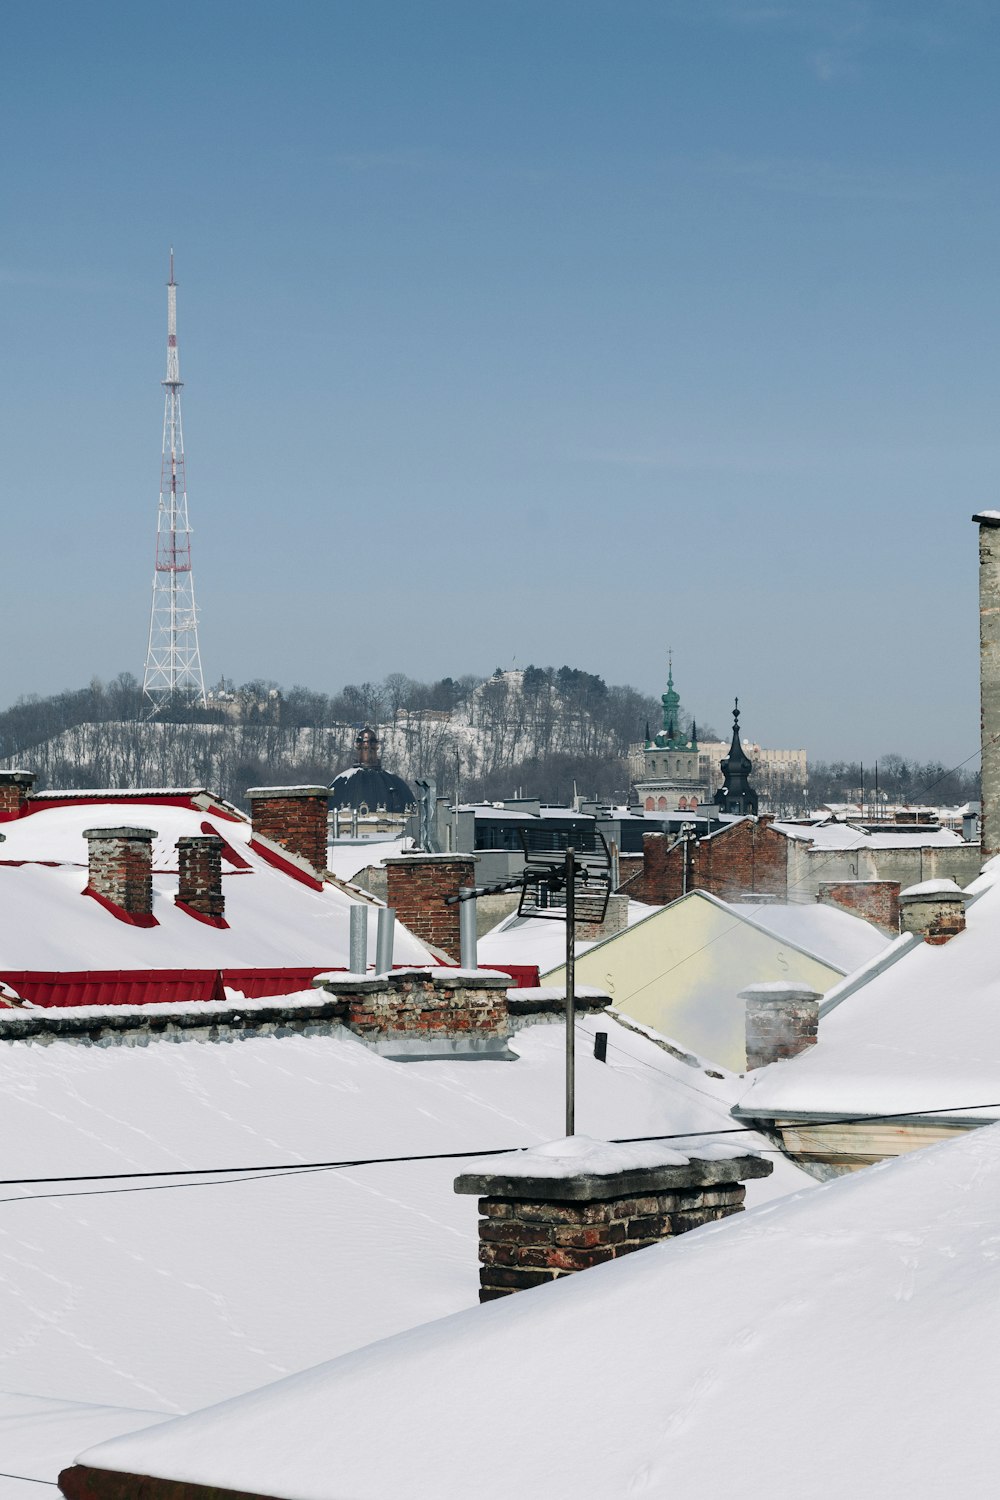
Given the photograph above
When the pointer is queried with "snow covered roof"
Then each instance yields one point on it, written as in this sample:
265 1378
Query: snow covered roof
836 937
844 1341
172 1298
345 858
539 941
274 919
918 1030
833 836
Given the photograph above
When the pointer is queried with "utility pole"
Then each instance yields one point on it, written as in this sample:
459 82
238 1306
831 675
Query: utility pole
570 992
173 660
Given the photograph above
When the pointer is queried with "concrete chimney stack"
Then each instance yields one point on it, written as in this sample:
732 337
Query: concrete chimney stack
989 676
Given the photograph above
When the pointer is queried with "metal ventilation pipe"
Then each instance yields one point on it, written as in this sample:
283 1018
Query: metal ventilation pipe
359 939
384 934
468 940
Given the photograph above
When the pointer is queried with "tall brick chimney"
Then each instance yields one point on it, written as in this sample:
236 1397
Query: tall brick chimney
417 886
199 880
989 677
782 1020
120 866
294 817
15 789
934 910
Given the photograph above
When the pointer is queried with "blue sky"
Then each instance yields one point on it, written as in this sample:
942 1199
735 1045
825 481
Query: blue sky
512 331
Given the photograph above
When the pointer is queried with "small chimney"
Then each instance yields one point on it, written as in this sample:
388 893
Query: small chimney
875 900
417 885
536 1226
933 910
120 868
294 817
989 677
199 883
782 1020
15 789
615 920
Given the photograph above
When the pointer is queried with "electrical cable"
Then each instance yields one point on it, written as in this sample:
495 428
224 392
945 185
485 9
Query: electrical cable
256 1173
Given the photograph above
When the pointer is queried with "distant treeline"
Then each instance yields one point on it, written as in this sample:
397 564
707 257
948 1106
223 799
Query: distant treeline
540 729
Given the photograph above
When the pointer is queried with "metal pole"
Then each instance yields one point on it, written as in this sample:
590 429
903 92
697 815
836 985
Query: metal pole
383 939
570 993
359 939
468 943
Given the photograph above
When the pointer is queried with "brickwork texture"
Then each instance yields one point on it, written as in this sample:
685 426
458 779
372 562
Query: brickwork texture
416 889
199 883
295 818
120 867
875 900
525 1243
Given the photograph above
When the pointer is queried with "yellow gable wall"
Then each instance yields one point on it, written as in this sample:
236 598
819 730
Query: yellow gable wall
680 971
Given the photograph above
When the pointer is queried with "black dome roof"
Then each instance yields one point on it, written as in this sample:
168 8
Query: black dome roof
370 787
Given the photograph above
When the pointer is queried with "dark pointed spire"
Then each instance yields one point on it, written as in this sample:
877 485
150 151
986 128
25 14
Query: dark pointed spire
737 795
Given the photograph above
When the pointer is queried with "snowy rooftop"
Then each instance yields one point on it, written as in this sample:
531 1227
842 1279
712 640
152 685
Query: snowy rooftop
169 1299
844 1341
842 836
919 1031
837 937
47 923
539 940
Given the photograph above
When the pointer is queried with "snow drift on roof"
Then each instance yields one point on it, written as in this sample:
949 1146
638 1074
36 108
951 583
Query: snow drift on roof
840 1342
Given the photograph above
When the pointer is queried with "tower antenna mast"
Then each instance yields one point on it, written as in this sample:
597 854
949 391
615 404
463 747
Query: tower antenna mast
173 661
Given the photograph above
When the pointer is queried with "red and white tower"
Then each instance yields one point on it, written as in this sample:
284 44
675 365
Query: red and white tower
173 661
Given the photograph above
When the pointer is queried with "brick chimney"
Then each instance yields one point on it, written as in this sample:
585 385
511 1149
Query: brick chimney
615 921
120 868
425 1012
875 900
294 817
199 882
989 677
15 789
536 1227
417 887
934 910
782 1020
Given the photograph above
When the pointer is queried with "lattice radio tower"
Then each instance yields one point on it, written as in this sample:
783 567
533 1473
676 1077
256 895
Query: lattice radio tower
173 661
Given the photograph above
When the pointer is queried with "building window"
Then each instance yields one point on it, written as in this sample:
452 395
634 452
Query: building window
693 803
682 805
662 804
650 804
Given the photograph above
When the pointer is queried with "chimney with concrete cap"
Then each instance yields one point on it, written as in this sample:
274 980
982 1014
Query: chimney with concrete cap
199 875
556 1209
120 868
782 1020
294 817
15 789
989 676
934 910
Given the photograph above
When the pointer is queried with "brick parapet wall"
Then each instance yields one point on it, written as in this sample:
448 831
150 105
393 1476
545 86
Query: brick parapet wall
417 886
423 1004
875 900
532 1231
780 1023
629 866
120 867
199 884
615 921
747 857
295 818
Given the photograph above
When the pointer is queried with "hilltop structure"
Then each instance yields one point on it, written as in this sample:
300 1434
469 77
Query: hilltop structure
671 771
